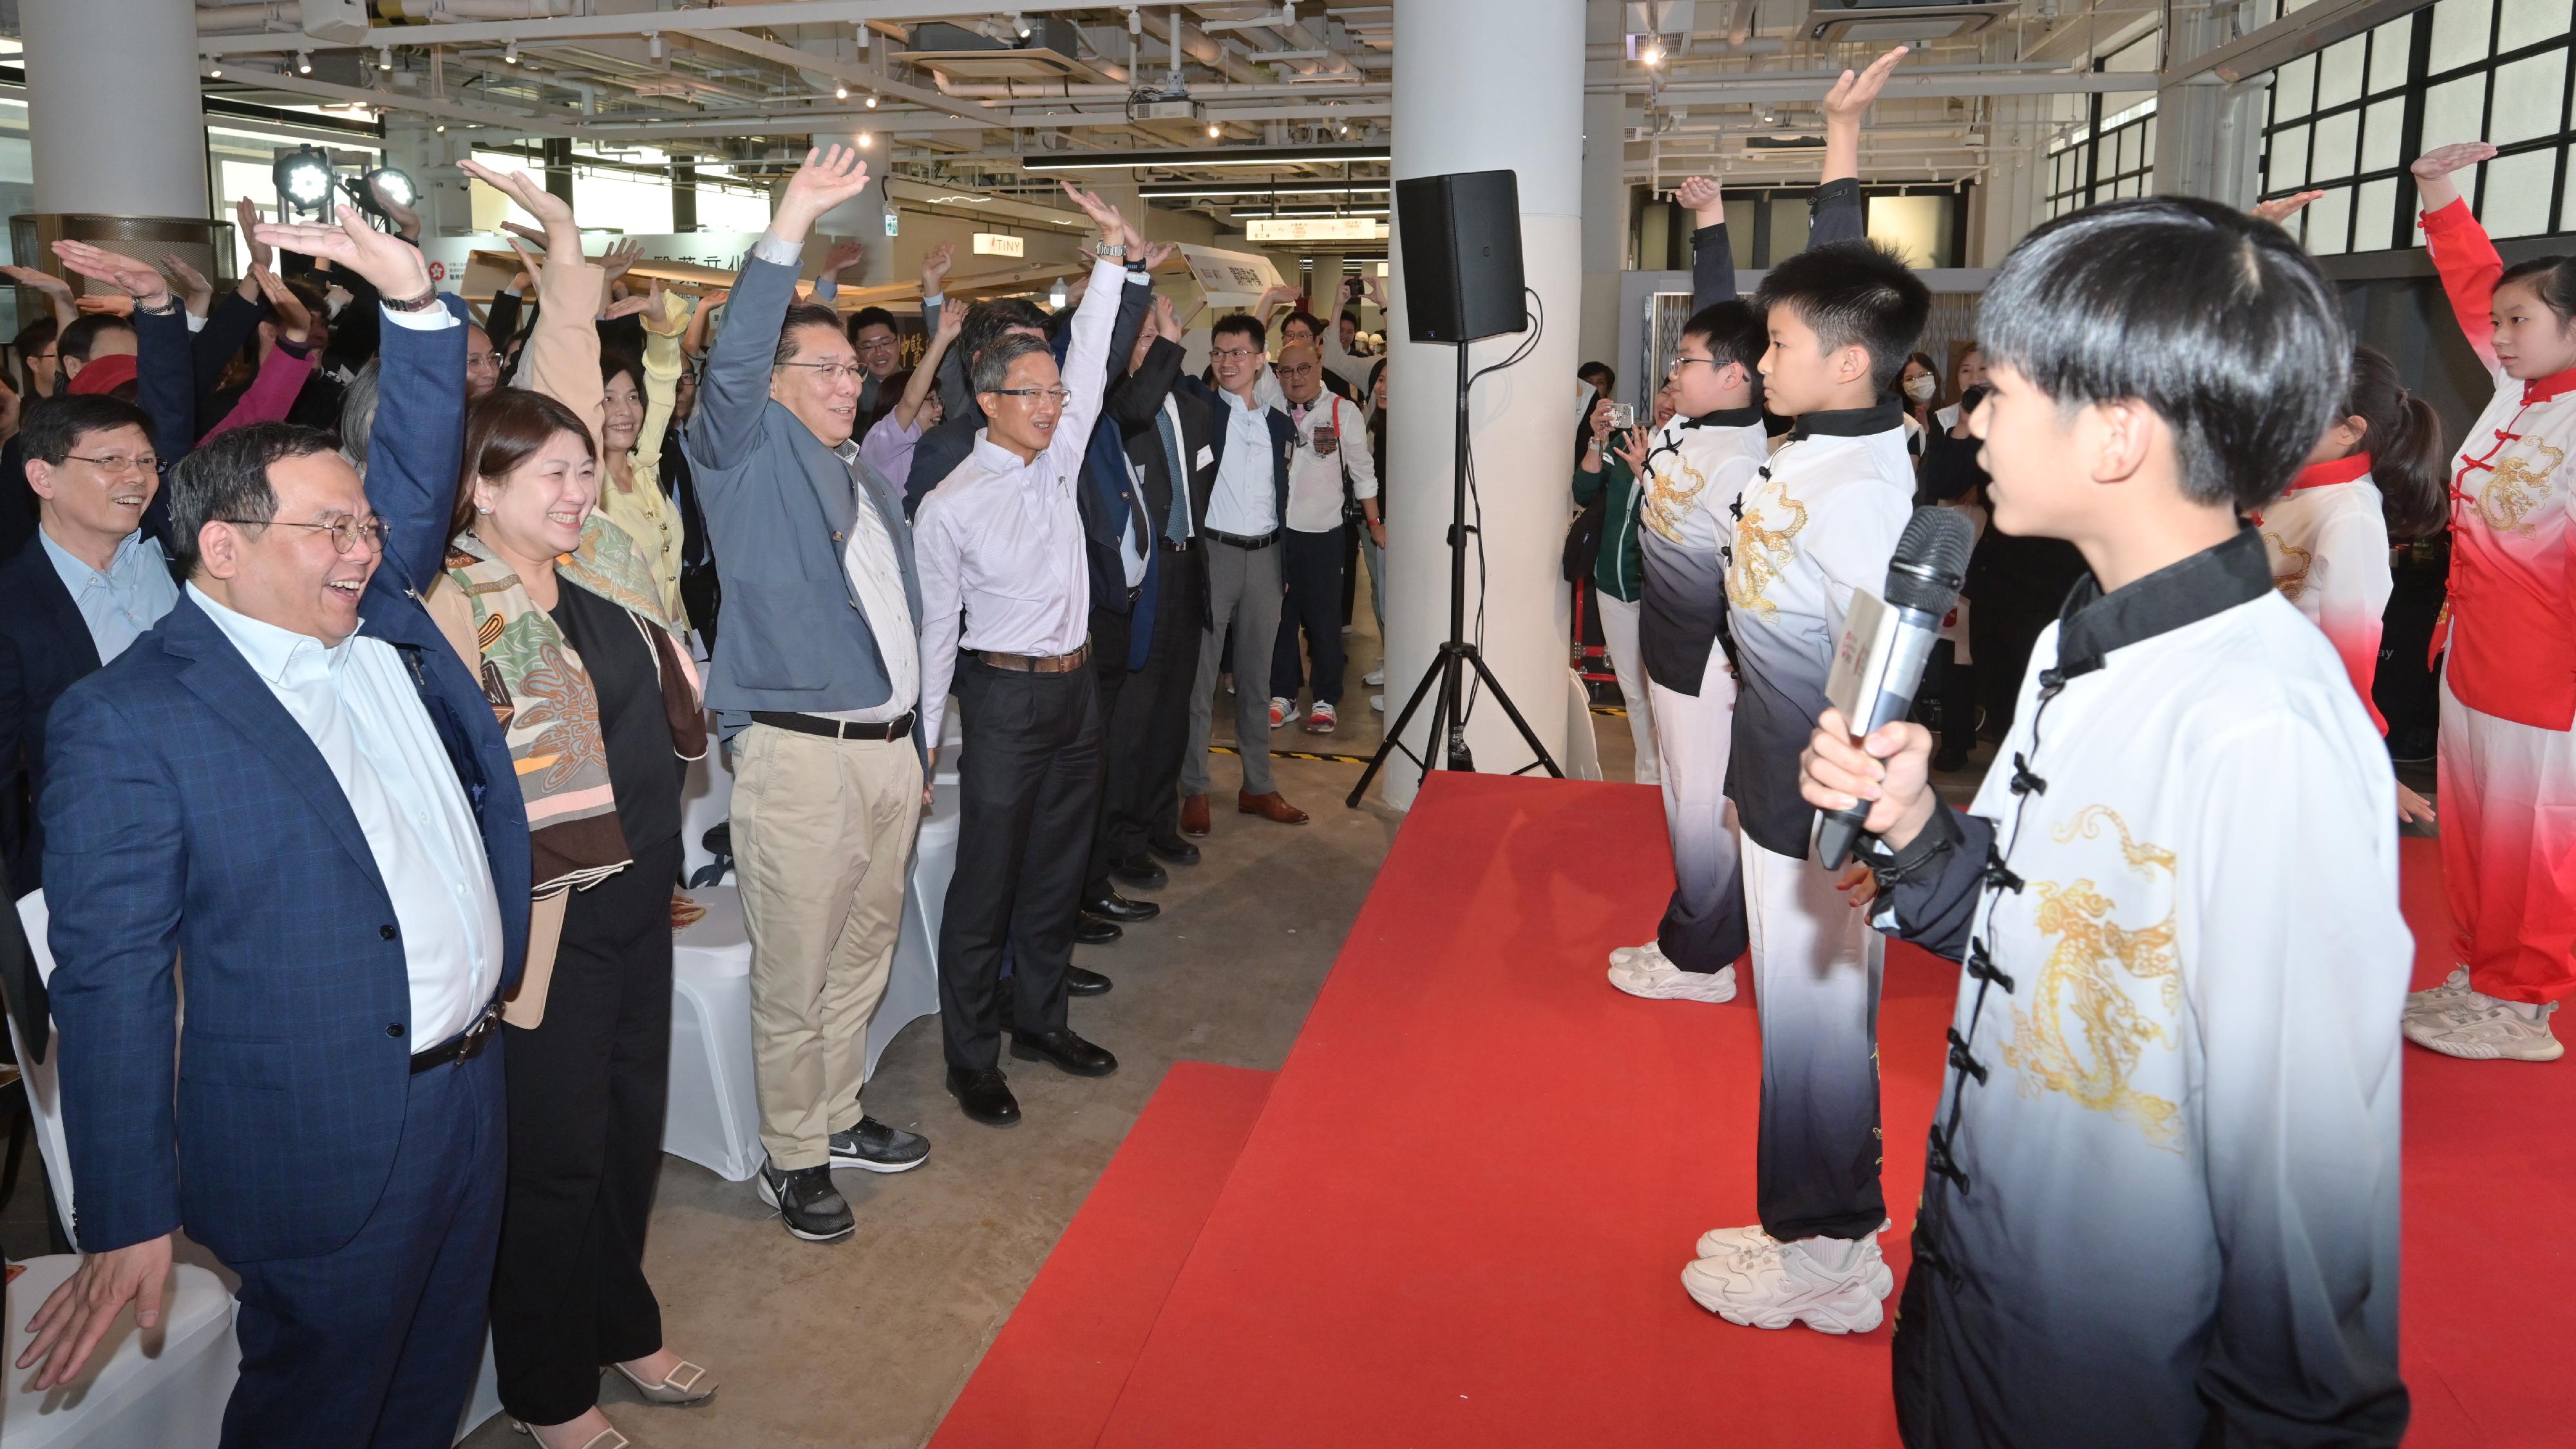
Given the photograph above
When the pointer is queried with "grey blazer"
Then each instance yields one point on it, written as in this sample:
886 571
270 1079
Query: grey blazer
779 507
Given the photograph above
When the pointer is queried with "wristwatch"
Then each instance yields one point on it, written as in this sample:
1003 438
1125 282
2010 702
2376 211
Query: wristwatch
1109 251
421 303
169 304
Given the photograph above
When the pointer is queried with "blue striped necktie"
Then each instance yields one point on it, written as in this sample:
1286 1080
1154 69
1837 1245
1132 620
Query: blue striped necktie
1177 527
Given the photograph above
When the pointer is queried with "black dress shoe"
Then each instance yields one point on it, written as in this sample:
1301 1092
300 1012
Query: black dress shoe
1111 906
985 1095
1093 931
1078 982
1174 849
807 1202
1142 872
1064 1049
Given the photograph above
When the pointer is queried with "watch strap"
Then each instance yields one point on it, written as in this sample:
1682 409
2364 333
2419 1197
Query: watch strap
421 303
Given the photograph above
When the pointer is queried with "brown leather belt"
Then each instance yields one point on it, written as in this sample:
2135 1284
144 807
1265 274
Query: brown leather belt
1037 663
461 1047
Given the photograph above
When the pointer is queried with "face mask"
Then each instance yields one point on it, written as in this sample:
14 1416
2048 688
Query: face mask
1921 389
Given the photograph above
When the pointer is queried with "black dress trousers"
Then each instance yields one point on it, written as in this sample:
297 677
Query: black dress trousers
1151 732
1029 786
1109 679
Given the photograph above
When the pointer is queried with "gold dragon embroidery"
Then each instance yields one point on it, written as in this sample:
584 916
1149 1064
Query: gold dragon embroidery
2079 981
1761 553
1671 496
2292 580
2516 488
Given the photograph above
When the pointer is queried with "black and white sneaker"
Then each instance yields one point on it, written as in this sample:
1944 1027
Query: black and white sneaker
807 1202
872 1146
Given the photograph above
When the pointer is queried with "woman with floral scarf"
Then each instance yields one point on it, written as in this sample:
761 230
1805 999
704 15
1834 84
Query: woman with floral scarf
562 616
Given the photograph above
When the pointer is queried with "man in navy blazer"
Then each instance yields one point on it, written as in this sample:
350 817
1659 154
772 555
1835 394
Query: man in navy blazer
1241 527
293 784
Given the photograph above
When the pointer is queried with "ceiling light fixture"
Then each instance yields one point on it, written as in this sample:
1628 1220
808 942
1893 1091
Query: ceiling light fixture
1215 131
441 128
653 46
1211 190
304 62
867 139
510 53
384 57
872 103
215 71
1020 23
1231 156
840 93
1652 55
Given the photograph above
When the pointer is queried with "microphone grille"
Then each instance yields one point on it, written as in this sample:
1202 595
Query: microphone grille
1931 560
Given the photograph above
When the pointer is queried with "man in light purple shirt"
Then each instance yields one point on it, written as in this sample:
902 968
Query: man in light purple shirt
1005 577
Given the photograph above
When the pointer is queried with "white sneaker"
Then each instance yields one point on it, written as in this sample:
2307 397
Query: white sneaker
1752 1239
1631 955
1377 702
1374 677
1281 712
1661 980
2453 987
2478 1027
1783 1284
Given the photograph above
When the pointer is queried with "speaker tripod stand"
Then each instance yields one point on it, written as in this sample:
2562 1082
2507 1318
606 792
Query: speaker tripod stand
1458 654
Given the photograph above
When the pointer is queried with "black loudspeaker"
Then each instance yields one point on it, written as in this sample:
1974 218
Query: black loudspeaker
1462 255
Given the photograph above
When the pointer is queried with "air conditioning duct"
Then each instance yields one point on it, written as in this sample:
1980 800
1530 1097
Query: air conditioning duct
1875 21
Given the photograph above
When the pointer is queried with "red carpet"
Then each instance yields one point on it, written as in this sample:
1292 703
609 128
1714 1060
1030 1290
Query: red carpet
1462 1215
1050 1378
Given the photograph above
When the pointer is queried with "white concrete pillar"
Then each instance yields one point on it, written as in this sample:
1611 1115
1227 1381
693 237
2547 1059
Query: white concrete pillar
1605 206
2015 191
114 125
2209 138
1484 85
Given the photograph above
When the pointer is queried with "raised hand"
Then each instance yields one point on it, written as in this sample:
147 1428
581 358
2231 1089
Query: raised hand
1113 227
831 175
1377 290
137 279
1631 449
1273 297
2280 209
104 304
1159 253
934 268
58 294
392 264
1166 321
657 313
2433 183
1851 96
632 305
246 216
294 319
1703 199
620 257
952 320
562 237
194 289
844 253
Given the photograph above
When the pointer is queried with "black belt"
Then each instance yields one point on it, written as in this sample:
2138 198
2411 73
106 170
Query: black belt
1248 545
461 1047
897 728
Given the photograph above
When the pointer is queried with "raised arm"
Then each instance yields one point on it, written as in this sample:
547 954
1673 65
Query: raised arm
1086 358
283 372
562 359
666 316
2466 260
1712 254
916 388
416 452
734 389
163 376
1137 397
1838 213
844 253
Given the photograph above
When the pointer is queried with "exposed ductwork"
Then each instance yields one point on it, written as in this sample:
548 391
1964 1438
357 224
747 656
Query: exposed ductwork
445 11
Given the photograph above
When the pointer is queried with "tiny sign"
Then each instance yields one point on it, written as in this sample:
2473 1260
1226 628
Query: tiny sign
995 244
1313 228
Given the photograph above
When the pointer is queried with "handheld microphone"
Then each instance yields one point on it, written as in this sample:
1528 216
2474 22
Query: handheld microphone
1885 644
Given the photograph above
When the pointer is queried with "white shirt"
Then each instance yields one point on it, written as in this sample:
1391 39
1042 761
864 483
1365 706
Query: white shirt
999 542
1245 501
1315 479
357 704
121 601
876 576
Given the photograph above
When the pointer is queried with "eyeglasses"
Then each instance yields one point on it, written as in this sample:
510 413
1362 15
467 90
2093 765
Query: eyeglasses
119 462
347 534
1302 369
1680 362
1236 353
877 344
1056 394
482 359
832 371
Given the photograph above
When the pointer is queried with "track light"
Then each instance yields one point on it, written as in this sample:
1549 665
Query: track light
1215 131
1020 23
840 93
653 45
510 53
304 62
872 103
441 128
215 71
1652 55
384 57
867 139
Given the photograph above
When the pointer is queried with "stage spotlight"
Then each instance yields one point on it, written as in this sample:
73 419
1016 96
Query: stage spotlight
397 184
303 178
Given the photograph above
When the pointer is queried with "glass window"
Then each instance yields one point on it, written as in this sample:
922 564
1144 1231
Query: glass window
2567 207
2339 72
2289 163
2517 193
2530 95
622 201
2330 151
2374 211
2294 89
2459 33
2455 111
725 208
2329 222
2389 48
2381 126
2529 22
1788 230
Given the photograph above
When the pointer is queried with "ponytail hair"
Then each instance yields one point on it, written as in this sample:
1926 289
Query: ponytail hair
2409 460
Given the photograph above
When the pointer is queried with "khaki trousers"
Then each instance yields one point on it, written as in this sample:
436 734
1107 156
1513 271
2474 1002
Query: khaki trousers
822 846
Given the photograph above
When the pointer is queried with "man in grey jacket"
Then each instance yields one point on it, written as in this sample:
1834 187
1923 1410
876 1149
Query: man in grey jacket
817 681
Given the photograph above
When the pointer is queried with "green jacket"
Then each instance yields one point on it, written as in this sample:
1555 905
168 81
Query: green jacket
1615 572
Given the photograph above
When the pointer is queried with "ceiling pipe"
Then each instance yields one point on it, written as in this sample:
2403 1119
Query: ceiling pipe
451 11
262 18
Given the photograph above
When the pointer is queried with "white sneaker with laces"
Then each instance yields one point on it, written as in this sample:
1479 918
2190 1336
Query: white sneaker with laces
1657 979
1751 1239
2478 1027
1374 677
2453 987
1631 955
1785 1283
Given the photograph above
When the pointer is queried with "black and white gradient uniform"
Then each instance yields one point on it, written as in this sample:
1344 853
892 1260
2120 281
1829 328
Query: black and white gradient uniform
1820 520
2161 1197
1696 468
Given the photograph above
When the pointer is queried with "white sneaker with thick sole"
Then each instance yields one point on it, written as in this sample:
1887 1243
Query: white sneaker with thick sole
1717 1242
1377 702
1374 678
2478 1027
2453 987
1631 955
1783 1284
1661 980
